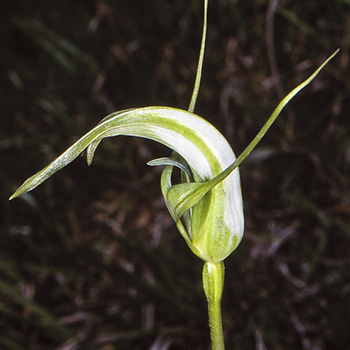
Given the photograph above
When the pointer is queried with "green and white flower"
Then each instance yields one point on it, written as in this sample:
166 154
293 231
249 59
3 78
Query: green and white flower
207 205
213 224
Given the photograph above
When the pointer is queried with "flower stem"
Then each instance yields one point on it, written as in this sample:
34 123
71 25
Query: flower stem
213 283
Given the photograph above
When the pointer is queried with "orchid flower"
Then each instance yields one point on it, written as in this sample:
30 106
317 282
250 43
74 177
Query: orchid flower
207 205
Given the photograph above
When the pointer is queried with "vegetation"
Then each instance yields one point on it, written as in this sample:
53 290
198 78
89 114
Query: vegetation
89 261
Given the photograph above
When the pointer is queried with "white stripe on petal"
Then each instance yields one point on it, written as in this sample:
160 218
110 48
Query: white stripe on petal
207 132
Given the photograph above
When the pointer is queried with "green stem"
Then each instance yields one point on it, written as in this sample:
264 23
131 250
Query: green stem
213 283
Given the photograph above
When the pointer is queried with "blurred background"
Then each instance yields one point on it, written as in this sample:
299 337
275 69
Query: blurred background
91 259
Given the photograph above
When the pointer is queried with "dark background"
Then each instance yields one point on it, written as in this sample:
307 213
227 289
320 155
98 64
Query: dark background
91 259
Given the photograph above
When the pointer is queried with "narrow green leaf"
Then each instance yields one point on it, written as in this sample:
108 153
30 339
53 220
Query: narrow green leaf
200 61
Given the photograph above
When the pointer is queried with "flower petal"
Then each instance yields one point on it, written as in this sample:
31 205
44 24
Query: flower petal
201 145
